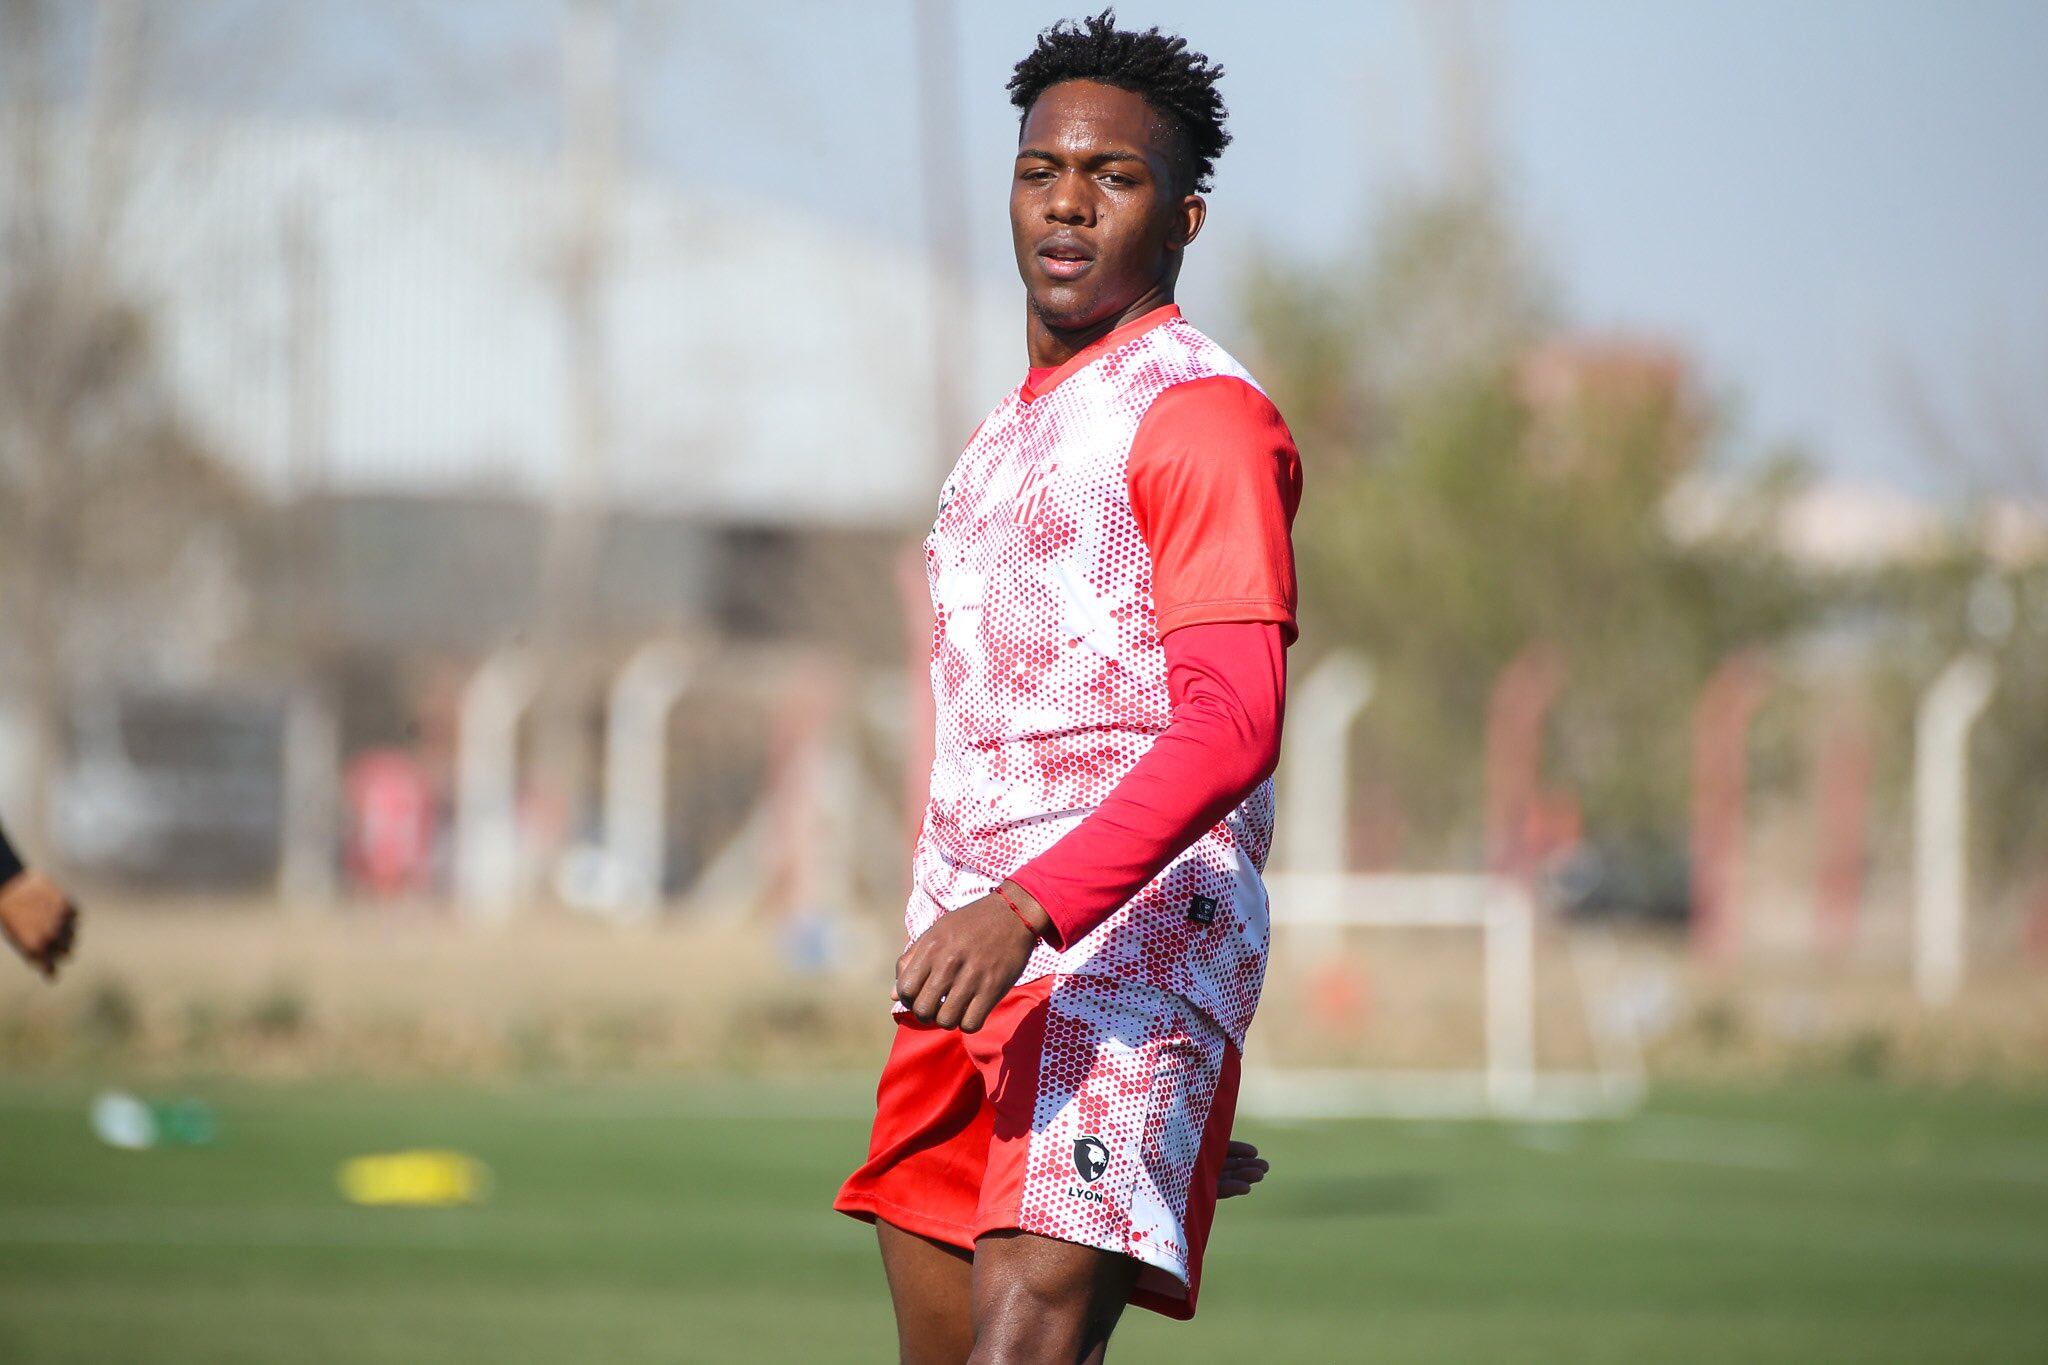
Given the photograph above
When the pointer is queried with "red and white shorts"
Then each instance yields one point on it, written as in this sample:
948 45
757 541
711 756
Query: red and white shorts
1086 1109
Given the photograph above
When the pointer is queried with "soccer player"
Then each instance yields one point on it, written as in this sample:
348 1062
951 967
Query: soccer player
35 916
1113 584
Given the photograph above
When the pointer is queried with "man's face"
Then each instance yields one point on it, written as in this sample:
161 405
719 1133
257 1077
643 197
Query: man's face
1095 215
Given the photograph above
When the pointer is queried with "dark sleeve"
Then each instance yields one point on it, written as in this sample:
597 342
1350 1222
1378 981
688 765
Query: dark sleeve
10 863
1228 682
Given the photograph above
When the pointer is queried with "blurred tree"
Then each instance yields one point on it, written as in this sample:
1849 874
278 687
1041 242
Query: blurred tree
122 540
1983 589
111 505
1477 481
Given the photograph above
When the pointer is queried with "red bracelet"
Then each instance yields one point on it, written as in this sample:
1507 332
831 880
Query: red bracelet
1014 910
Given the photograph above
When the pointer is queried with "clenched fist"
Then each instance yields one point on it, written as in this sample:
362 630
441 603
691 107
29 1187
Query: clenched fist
962 967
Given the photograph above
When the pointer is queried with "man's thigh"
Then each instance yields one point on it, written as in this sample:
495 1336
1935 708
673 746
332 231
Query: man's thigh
931 1289
1039 1299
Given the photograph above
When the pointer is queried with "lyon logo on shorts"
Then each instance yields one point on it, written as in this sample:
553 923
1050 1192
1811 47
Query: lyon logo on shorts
1091 1158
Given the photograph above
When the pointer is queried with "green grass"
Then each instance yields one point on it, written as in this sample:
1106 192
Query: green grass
1801 1224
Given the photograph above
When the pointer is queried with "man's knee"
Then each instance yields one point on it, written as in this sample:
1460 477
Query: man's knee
1019 1320
1037 1300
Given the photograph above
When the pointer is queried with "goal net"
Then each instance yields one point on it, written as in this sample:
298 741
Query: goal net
1421 996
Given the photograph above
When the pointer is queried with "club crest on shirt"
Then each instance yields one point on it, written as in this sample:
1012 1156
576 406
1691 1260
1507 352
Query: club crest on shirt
1031 493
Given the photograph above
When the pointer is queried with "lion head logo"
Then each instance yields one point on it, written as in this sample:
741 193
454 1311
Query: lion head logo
1091 1158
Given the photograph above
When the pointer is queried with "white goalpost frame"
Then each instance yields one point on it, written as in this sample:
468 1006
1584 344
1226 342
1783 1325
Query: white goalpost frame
1507 1083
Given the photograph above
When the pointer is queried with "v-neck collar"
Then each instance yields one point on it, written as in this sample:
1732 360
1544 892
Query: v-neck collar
1094 350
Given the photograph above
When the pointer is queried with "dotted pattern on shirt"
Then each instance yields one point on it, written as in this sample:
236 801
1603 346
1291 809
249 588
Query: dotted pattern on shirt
1049 680
1135 1070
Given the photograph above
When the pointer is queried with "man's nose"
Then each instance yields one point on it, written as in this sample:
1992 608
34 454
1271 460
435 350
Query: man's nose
1069 201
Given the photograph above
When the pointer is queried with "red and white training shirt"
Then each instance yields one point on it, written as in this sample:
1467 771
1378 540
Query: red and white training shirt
1143 487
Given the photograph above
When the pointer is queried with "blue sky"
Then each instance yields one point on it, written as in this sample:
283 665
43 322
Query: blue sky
1814 199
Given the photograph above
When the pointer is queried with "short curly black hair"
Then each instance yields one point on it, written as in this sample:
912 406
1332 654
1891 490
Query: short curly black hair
1179 85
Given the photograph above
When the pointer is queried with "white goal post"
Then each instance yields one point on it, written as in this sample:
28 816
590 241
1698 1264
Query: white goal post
1311 910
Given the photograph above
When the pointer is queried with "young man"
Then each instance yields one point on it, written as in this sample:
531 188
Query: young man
1114 591
35 917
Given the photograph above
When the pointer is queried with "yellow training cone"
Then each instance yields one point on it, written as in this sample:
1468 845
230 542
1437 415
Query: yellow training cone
420 1179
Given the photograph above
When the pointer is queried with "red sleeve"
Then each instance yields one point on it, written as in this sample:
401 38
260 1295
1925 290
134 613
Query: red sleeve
1227 681
1214 480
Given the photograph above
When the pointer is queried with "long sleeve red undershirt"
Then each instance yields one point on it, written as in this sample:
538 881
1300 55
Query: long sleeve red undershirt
1227 682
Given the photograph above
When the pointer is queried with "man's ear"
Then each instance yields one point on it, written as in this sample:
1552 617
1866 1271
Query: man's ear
1188 217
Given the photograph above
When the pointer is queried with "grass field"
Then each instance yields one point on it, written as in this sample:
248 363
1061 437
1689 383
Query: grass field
667 1224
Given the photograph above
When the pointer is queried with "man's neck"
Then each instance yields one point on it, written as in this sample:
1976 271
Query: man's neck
1053 346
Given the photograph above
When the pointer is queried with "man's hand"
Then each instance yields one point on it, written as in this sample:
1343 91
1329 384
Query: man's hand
1242 1169
964 965
38 920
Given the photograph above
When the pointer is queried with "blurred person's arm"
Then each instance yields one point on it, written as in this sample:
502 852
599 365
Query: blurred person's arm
35 917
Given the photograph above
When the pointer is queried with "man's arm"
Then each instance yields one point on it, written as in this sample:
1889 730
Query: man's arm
1214 481
1226 680
35 916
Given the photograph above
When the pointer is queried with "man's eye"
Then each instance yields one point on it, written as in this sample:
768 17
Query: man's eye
1119 180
